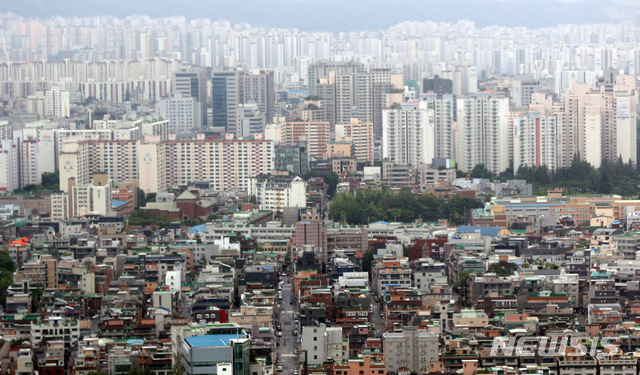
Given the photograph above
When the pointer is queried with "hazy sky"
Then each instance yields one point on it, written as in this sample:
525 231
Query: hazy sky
344 15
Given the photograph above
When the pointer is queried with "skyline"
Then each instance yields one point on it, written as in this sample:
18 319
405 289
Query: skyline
378 14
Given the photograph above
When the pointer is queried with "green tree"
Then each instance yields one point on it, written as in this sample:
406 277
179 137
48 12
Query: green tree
7 268
498 270
367 261
330 179
36 296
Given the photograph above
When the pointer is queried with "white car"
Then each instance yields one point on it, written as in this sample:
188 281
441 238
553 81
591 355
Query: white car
279 334
279 368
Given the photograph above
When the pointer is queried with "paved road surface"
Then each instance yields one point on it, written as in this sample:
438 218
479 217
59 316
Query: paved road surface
286 357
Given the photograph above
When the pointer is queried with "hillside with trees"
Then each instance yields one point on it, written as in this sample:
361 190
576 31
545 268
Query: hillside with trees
384 205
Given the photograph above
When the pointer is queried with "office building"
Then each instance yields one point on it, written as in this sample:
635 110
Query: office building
193 83
258 87
437 85
204 354
227 95
291 157
250 121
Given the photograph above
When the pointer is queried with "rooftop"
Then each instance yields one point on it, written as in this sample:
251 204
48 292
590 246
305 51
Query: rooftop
210 340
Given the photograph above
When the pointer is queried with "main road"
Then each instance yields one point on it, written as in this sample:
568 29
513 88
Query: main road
286 351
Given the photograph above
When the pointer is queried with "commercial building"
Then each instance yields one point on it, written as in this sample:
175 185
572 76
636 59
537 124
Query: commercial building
291 157
203 354
192 83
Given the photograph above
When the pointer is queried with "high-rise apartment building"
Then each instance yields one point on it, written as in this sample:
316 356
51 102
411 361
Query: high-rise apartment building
193 83
226 164
408 134
535 141
522 88
361 135
349 91
444 112
56 103
322 69
8 166
483 133
316 134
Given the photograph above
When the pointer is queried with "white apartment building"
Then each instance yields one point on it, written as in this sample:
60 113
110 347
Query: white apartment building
59 206
8 166
56 103
225 164
444 134
535 141
321 342
65 329
6 130
277 191
29 166
93 198
182 111
483 133
408 134
411 348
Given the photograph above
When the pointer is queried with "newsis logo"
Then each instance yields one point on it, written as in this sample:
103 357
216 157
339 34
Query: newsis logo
553 346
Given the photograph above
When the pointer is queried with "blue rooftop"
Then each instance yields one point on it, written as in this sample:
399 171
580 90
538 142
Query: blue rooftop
117 203
380 222
484 231
197 229
211 340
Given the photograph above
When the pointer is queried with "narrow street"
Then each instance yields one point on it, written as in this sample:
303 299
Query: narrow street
376 318
287 357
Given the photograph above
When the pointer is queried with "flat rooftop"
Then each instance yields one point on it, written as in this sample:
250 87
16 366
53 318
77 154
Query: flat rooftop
211 340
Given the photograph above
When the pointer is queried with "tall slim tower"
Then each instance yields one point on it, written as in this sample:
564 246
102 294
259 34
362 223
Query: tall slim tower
227 95
193 83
